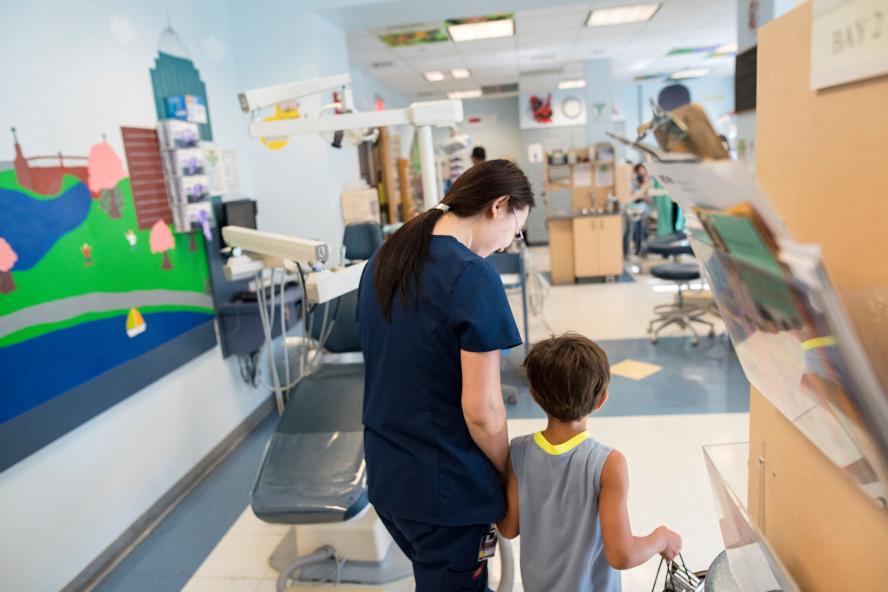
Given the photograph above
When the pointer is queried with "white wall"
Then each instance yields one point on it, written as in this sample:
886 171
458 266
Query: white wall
297 187
70 81
497 131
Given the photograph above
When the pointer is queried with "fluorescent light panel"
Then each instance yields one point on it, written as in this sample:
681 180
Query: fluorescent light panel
464 94
483 30
433 76
691 73
460 73
566 84
621 15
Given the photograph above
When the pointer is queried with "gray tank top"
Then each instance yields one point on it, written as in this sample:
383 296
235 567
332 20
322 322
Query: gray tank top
562 549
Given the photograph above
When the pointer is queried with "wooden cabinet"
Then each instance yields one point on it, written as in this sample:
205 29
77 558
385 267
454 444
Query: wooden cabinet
589 181
561 253
585 246
598 246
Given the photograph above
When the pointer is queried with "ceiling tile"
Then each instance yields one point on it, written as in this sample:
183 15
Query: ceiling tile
548 37
543 39
563 18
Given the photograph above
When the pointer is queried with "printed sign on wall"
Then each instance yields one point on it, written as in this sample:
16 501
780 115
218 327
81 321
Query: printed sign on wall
849 41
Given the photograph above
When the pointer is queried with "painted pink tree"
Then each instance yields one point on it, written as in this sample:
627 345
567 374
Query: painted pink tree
105 170
161 241
8 257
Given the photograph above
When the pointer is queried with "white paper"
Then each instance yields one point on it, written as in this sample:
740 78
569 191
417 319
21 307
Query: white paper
849 41
229 170
582 175
604 175
718 185
534 153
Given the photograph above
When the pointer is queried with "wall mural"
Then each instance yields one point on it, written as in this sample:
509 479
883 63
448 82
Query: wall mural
98 294
75 267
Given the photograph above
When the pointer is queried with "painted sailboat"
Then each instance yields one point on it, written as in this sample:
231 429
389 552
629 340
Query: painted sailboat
135 324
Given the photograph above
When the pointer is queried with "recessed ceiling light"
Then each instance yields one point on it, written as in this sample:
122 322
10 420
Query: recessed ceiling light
489 29
621 15
433 76
464 94
565 84
460 73
690 73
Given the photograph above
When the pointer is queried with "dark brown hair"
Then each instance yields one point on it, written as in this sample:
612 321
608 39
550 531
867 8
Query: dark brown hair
568 375
401 257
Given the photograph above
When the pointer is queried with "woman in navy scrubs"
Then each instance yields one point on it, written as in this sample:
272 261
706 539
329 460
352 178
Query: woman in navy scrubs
433 318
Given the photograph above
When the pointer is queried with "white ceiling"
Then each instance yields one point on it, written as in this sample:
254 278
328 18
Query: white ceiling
550 38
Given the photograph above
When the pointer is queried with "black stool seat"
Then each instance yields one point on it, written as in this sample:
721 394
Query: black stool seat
670 245
677 272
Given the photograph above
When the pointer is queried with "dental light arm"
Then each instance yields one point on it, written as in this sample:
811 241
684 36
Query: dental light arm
422 115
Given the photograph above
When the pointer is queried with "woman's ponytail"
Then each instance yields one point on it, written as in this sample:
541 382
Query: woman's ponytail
400 259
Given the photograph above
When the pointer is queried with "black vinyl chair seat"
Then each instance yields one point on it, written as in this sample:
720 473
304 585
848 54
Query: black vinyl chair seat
677 272
313 470
670 245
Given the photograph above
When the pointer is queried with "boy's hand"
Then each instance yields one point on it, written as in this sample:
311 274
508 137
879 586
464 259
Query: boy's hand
672 543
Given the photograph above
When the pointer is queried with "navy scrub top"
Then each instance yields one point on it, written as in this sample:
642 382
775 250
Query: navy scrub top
422 464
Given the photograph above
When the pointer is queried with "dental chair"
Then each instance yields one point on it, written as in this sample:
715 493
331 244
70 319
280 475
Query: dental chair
313 476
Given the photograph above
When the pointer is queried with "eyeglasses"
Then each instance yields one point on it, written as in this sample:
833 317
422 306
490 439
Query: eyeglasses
519 234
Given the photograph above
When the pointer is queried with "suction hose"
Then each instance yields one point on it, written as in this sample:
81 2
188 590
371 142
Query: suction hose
323 554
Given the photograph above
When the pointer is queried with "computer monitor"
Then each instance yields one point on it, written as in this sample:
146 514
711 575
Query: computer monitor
240 212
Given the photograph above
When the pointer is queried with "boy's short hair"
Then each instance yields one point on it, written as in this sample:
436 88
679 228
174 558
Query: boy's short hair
568 375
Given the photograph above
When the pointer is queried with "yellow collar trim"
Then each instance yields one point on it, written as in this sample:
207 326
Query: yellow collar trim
556 449
816 342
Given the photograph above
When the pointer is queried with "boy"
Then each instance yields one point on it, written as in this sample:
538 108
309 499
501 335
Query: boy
566 491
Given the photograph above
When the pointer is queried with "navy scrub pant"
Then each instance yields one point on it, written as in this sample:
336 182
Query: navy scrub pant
445 558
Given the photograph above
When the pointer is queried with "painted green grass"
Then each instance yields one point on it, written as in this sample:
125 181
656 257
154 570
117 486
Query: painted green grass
9 181
116 267
42 329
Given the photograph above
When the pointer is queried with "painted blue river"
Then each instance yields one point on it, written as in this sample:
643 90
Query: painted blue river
34 371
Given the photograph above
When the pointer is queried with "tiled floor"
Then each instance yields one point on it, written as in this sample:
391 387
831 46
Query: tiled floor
668 485
659 422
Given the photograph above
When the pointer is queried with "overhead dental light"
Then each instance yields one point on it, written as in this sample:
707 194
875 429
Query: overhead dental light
344 118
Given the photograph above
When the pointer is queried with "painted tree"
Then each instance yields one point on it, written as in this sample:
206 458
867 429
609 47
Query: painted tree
161 241
104 170
8 257
111 202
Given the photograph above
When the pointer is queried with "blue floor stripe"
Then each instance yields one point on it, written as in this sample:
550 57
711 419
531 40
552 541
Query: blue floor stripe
170 555
702 379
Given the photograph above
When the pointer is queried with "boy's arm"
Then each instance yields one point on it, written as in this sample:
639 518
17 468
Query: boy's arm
508 526
622 549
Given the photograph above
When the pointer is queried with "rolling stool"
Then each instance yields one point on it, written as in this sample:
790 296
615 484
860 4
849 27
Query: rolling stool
670 245
678 313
